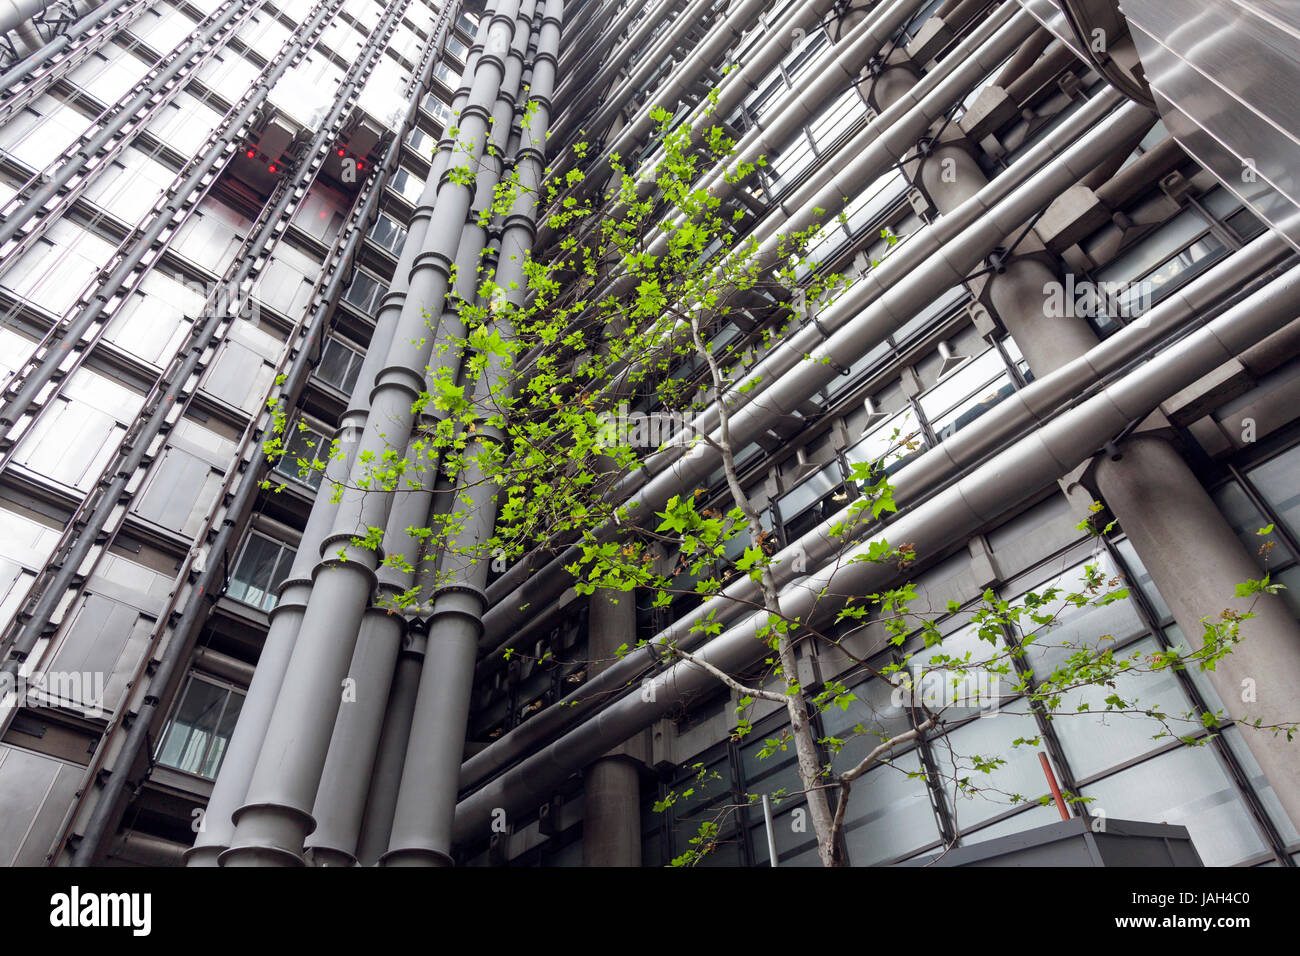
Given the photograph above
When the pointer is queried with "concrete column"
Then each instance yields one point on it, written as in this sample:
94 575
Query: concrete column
611 786
611 814
891 84
1019 297
1196 560
950 176
271 826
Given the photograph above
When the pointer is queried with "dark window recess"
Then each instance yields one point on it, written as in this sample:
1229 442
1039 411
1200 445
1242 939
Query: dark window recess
262 566
196 737
339 366
365 292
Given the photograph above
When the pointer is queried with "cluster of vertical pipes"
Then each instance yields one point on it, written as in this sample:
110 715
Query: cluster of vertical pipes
378 780
297 777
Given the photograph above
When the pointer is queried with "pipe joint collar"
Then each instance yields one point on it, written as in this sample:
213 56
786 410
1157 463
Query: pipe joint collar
416 856
472 110
433 259
493 59
521 221
392 299
503 18
399 377
353 557
285 601
387 586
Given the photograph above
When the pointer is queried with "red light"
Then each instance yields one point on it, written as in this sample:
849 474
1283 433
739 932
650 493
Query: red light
272 168
252 154
342 151
360 165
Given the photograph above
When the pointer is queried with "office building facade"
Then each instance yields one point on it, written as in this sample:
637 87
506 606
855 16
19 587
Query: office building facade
224 221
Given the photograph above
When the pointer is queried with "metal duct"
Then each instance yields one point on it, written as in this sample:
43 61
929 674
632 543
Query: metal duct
1029 465
1026 408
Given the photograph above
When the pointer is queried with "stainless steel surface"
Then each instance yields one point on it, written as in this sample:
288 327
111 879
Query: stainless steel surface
1219 72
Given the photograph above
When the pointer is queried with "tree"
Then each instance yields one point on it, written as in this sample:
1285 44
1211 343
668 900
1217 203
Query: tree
626 310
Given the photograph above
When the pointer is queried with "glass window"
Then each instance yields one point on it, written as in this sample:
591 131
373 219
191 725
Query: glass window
447 75
810 490
436 108
262 566
1277 483
196 737
339 365
895 441
879 710
940 306
306 452
965 395
365 291
1153 267
387 233
1094 740
1076 628
711 791
420 141
791 831
889 813
989 737
1200 677
1171 274
953 388
71 443
1204 800
1237 742
1138 572
407 184
874 200
1036 816
1154 248
1246 520
967 681
812 501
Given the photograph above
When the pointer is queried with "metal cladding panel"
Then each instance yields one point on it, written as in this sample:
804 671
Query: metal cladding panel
35 792
1223 75
1049 15
1075 842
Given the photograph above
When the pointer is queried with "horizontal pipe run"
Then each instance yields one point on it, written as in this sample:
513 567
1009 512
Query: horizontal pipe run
869 154
896 291
980 497
1028 407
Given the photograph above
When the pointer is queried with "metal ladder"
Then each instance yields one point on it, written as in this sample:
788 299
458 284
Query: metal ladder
49 71
65 345
200 574
101 514
49 194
